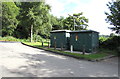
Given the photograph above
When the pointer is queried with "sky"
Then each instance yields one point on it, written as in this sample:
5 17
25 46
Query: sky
94 10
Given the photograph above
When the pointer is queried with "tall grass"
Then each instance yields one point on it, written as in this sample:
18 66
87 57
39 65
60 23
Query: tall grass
11 38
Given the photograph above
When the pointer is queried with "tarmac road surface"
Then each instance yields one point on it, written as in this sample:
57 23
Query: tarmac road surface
17 60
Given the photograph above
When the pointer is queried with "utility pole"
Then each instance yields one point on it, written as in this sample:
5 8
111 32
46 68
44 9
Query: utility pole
73 22
31 33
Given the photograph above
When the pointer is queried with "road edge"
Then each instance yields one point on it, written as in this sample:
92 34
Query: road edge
92 60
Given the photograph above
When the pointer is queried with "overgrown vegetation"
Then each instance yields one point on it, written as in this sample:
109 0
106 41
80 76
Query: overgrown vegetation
10 38
111 44
102 39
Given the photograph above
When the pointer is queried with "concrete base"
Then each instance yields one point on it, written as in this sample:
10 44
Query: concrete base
77 52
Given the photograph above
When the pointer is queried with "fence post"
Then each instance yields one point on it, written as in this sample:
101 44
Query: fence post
61 46
55 46
48 45
83 50
42 43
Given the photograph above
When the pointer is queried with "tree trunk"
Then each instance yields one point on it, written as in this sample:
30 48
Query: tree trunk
36 36
31 33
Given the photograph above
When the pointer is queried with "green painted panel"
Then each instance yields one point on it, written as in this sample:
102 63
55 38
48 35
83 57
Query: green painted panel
60 39
80 41
87 40
95 41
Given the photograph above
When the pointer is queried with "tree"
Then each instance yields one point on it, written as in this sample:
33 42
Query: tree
75 22
0 19
61 22
114 16
112 35
57 23
34 19
9 21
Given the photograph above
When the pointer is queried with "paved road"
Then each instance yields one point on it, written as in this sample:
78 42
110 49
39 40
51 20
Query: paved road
18 60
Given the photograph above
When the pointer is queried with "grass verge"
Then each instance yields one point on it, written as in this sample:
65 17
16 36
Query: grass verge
94 56
13 39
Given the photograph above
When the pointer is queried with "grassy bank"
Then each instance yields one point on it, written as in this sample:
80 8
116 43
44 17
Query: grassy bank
101 54
10 38
36 44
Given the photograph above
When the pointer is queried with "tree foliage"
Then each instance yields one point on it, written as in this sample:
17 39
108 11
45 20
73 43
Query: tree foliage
111 43
114 16
57 23
77 20
36 14
24 19
9 21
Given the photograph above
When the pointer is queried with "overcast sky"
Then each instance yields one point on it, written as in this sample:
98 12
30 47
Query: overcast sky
92 9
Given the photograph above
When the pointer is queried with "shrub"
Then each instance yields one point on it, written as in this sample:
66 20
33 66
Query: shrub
111 43
37 38
9 38
102 39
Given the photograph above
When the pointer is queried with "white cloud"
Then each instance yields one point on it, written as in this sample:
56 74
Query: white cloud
93 10
56 7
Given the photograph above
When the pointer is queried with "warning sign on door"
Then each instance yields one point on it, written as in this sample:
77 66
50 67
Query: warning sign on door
76 37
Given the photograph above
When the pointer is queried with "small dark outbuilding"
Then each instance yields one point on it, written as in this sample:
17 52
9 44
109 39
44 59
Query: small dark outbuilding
60 38
87 40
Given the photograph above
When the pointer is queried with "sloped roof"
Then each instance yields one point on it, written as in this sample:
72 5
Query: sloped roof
78 31
60 31
83 31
